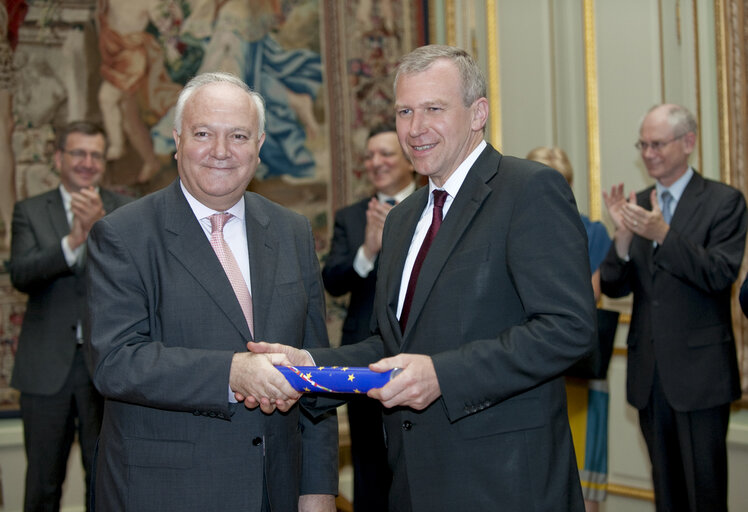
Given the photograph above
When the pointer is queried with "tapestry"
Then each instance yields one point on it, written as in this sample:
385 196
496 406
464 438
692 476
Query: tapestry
324 68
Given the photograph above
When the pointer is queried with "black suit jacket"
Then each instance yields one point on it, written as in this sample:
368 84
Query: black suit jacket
340 277
165 325
504 306
744 296
681 319
56 293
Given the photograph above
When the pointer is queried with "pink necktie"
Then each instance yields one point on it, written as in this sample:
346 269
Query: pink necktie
226 257
440 196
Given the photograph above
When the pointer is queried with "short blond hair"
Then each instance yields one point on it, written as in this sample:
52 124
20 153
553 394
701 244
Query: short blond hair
554 157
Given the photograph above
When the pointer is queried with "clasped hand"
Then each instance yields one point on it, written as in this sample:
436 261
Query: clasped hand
629 218
376 214
417 386
87 208
255 381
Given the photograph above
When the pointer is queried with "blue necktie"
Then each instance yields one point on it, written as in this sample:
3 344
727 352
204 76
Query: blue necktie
667 199
390 201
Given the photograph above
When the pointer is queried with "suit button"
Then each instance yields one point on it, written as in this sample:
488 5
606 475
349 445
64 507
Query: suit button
407 425
257 441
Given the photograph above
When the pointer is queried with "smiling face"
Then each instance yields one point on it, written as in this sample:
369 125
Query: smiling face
436 130
669 162
386 166
219 146
81 164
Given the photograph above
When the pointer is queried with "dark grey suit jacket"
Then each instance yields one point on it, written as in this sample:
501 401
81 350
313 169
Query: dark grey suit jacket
681 319
504 306
165 325
56 293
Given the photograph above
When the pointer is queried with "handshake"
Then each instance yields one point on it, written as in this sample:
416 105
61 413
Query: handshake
274 376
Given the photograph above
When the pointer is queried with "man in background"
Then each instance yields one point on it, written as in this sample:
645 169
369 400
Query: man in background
48 259
351 267
677 247
180 280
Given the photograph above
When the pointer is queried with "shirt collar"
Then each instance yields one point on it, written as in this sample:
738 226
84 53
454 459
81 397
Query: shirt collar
67 198
400 195
677 188
201 211
454 182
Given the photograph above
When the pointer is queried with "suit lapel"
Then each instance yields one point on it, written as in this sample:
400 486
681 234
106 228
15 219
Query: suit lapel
686 210
465 206
411 208
263 258
648 249
56 213
186 241
689 204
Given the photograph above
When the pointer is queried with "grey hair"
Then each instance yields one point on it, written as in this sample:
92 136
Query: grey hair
472 78
680 119
204 79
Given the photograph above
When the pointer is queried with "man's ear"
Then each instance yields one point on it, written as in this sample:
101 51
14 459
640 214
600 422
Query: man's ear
58 160
480 114
176 141
689 140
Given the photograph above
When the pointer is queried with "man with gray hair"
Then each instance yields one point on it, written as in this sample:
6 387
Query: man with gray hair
678 246
484 325
179 282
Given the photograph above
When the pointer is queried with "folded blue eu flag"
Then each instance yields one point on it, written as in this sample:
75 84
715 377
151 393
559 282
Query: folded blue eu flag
335 379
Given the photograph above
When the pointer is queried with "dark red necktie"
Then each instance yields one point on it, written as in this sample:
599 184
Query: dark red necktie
436 221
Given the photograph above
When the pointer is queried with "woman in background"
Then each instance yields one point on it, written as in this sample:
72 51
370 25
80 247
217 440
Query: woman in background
587 399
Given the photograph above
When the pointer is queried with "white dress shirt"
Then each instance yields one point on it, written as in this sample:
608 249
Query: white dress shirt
235 235
234 231
452 187
72 256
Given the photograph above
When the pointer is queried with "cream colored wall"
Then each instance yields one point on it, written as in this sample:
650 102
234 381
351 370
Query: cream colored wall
647 52
13 471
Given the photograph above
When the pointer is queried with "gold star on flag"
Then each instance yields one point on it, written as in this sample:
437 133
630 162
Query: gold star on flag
307 390
320 368
308 375
351 377
356 391
345 368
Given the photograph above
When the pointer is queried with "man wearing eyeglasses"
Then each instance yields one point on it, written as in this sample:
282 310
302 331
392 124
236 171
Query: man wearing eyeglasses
48 249
678 246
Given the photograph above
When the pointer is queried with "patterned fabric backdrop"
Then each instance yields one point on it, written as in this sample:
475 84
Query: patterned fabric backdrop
323 67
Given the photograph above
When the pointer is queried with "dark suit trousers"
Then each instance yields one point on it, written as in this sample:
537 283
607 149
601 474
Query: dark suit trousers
688 451
49 425
372 475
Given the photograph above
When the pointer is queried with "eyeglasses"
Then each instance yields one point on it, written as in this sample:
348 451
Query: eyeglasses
656 145
81 154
